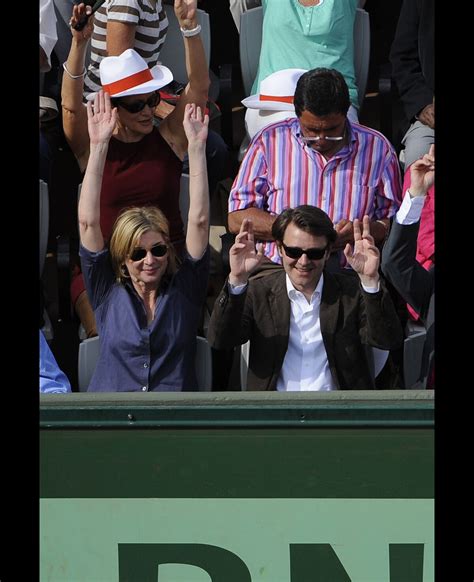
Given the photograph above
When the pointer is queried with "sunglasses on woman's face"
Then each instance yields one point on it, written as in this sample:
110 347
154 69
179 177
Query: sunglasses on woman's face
313 254
158 250
137 106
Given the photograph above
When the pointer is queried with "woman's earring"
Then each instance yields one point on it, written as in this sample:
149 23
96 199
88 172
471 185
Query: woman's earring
124 271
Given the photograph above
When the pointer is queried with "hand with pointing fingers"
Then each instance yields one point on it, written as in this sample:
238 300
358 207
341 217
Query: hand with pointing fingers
364 258
195 125
422 173
243 256
101 119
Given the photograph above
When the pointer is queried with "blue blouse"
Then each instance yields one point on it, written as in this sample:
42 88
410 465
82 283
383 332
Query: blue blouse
134 355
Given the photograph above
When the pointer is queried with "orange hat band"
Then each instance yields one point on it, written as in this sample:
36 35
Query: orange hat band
282 98
128 82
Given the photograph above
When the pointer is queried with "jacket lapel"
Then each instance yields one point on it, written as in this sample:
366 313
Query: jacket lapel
280 307
280 312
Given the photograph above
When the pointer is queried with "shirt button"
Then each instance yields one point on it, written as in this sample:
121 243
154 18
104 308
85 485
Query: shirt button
145 365
143 388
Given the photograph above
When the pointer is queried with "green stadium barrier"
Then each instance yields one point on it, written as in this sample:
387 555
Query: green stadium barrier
237 487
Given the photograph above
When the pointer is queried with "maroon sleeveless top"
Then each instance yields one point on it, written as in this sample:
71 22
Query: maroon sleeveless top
143 173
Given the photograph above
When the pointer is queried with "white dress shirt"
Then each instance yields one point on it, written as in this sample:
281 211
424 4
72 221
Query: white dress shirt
305 366
410 209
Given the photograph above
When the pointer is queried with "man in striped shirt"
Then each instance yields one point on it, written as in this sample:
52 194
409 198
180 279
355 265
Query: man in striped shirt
319 158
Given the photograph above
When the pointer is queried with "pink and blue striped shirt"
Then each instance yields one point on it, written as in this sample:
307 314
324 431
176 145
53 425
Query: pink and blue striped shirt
279 171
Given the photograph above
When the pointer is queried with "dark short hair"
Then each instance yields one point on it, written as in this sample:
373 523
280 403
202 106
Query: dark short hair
321 92
309 218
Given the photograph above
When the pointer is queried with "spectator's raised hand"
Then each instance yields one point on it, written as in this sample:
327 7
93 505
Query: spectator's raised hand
365 257
243 257
422 173
185 11
78 11
101 119
195 125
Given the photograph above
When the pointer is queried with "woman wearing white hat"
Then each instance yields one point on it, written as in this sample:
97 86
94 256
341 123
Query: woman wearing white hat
144 163
147 307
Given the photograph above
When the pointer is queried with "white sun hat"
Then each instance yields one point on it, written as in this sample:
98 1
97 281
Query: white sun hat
276 91
128 74
257 119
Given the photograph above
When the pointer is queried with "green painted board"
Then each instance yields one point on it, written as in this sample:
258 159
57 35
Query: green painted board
310 462
304 489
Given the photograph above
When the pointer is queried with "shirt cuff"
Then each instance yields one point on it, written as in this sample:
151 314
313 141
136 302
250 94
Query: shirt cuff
371 289
236 289
410 209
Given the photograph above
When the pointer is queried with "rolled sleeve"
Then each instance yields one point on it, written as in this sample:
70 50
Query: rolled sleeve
98 274
251 183
389 194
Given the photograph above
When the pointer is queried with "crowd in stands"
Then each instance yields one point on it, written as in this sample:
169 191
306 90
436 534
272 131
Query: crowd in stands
332 229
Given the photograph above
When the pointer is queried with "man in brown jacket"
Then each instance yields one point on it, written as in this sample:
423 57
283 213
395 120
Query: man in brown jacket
308 329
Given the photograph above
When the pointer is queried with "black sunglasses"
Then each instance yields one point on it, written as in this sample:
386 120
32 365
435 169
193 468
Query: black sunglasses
137 106
158 250
313 254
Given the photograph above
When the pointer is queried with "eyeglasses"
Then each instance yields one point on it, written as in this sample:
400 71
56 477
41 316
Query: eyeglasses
158 250
305 139
313 254
137 106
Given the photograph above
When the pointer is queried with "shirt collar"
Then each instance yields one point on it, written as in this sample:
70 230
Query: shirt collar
350 132
294 293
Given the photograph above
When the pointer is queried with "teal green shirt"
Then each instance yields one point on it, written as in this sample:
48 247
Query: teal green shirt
296 36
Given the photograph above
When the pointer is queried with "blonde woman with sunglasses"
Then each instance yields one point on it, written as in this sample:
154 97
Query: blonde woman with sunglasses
146 302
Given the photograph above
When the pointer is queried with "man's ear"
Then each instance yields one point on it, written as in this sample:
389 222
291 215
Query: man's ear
279 248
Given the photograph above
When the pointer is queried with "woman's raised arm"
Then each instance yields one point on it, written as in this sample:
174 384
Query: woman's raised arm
197 234
101 122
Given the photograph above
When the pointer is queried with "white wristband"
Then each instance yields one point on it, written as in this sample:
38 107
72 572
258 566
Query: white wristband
74 76
191 31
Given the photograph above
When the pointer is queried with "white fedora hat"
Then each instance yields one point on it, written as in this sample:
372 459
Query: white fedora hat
257 119
128 74
276 91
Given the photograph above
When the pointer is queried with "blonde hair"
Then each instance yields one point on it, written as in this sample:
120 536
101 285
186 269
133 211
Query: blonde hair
129 227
